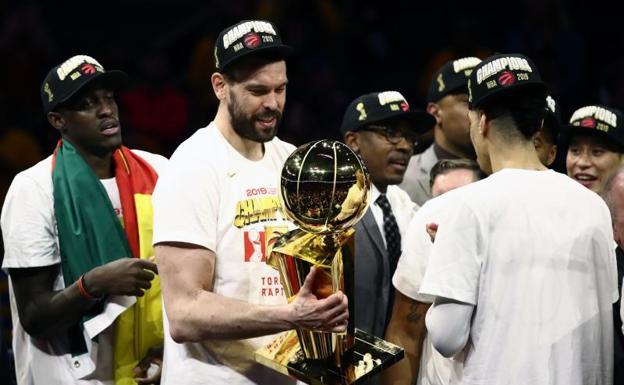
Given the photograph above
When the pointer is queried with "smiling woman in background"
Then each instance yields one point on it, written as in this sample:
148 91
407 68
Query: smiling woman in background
596 145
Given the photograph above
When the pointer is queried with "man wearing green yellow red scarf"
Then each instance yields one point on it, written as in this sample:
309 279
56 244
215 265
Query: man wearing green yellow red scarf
77 228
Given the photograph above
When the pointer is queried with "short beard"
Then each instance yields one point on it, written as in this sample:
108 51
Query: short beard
245 126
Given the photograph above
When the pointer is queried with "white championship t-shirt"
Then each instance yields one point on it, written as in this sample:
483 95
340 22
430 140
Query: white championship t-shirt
435 369
214 197
31 240
532 251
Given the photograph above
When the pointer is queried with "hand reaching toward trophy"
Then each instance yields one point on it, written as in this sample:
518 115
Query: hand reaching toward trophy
329 314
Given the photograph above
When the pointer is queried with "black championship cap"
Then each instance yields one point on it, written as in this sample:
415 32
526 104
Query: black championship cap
452 76
246 38
599 121
384 106
498 74
69 77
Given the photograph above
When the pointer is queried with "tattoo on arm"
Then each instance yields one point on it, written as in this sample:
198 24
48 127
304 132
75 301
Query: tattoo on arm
414 315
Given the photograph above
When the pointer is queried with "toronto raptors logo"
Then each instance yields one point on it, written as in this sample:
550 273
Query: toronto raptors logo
588 123
404 106
251 40
506 78
88 69
254 246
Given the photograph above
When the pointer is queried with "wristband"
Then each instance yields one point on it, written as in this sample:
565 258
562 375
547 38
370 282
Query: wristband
83 290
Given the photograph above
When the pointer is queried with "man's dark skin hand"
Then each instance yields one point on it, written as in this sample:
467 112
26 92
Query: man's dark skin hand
44 312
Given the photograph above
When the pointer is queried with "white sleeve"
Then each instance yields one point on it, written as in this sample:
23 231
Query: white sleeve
158 162
186 202
454 268
448 325
612 265
28 227
411 267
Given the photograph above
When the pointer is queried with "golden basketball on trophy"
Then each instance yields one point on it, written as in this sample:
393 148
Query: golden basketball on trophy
325 190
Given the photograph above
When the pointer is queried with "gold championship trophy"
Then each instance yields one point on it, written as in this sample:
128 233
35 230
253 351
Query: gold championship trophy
325 190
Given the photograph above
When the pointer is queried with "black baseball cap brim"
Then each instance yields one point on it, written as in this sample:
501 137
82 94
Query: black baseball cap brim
114 80
453 89
537 85
281 50
576 131
418 121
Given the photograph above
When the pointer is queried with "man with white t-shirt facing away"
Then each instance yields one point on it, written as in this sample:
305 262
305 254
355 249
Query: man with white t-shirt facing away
423 365
407 325
218 198
77 232
523 274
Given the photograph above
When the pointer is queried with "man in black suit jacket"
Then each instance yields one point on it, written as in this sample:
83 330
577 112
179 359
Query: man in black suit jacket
381 128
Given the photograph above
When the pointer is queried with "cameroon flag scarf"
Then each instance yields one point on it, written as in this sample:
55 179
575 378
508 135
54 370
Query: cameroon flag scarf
90 234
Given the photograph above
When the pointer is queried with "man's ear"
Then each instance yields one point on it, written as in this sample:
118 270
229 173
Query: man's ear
351 139
484 124
219 85
552 155
56 120
434 109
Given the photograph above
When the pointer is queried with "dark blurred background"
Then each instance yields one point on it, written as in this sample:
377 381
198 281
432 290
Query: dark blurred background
342 49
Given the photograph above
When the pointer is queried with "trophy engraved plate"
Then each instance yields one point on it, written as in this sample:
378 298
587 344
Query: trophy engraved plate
325 190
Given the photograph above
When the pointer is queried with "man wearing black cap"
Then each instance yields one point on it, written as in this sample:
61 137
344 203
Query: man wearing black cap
522 274
447 102
382 129
76 228
407 326
596 145
213 208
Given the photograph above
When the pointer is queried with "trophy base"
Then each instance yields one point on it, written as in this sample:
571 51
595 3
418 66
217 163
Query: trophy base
370 356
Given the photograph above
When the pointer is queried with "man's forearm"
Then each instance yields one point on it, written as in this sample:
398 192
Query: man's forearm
64 309
212 316
228 318
44 313
196 313
406 329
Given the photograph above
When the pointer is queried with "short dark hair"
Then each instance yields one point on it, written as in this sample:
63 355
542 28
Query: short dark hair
443 166
550 131
526 108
